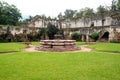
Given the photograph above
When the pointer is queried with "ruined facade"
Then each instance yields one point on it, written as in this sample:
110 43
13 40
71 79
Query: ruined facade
108 28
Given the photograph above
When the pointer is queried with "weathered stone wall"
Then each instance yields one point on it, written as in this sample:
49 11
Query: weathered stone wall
85 26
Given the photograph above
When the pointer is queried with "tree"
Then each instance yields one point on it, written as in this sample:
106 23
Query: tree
9 14
95 36
101 10
85 12
27 20
76 36
88 12
51 30
118 5
79 14
115 10
60 16
42 32
43 17
69 13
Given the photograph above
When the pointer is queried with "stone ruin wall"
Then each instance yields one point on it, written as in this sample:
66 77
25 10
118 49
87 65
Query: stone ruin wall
83 26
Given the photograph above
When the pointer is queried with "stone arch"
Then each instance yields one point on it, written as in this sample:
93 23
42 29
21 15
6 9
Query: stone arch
105 36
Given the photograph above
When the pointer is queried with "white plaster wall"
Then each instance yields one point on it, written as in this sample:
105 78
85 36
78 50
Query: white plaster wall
14 31
39 24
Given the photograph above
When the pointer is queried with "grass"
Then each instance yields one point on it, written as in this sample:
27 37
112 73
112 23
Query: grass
60 66
35 43
10 47
80 43
16 47
106 47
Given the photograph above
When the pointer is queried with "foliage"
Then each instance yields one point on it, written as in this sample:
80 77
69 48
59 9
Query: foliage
85 12
62 33
32 37
3 38
9 14
51 31
42 32
76 36
69 13
101 10
115 5
18 38
94 36
60 16
118 5
115 10
10 47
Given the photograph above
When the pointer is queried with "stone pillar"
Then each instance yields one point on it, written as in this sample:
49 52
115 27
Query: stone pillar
111 34
82 37
87 38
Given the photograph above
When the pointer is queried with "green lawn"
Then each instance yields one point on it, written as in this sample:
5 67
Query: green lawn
15 47
107 47
11 47
80 43
35 43
59 65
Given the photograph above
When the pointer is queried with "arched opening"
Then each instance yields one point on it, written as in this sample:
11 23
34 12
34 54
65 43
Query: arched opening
105 36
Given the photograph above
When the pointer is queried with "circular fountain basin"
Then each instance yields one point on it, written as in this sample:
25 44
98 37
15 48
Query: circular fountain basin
57 43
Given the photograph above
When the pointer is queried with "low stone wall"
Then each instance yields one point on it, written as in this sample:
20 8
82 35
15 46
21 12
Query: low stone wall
57 43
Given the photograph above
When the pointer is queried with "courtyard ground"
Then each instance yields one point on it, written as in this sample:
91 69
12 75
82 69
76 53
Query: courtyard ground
95 65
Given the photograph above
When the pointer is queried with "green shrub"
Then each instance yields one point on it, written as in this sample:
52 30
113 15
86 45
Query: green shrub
3 38
95 36
32 37
76 36
18 38
51 31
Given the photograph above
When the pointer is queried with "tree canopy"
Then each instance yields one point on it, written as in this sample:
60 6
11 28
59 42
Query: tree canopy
69 13
115 9
9 14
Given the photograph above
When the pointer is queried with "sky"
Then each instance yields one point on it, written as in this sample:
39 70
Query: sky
54 7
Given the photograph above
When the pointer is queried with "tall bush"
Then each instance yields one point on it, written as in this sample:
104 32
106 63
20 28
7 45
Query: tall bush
95 36
51 31
76 36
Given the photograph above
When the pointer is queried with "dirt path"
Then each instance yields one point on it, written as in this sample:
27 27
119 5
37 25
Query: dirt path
82 49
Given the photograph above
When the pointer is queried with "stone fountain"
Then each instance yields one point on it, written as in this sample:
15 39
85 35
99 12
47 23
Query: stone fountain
57 45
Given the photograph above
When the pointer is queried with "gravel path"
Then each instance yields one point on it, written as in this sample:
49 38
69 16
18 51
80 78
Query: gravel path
82 49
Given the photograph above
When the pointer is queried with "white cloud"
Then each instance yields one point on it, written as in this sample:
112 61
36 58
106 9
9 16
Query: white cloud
53 7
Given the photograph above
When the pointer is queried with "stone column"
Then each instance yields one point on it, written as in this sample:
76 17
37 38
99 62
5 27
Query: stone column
82 37
87 38
111 34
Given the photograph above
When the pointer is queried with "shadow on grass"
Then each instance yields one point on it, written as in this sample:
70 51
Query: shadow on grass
8 52
108 51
